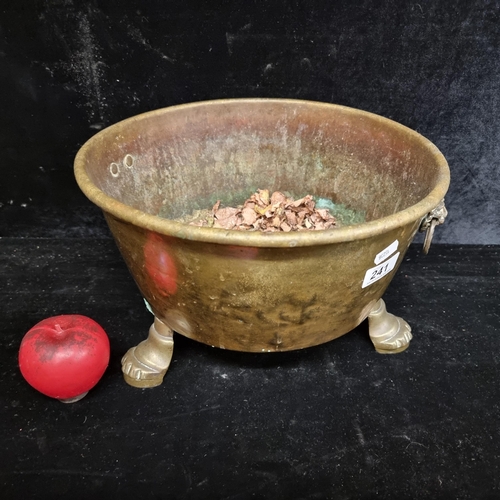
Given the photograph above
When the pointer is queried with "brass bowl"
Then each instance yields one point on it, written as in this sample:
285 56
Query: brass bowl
254 291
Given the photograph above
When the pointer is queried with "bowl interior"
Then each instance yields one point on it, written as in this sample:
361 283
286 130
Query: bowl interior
183 158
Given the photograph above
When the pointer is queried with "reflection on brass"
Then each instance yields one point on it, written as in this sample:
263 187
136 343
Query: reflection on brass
252 291
146 364
434 218
390 334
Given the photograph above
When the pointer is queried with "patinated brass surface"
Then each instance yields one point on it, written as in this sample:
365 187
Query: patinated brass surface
251 291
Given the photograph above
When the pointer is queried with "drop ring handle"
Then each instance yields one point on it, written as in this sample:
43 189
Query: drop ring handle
434 218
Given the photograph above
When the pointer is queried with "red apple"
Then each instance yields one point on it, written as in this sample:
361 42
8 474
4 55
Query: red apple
64 356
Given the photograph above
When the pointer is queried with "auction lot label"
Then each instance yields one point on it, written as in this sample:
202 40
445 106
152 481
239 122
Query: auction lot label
375 273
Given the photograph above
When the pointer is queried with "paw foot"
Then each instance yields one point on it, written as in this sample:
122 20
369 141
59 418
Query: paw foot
390 334
138 374
396 343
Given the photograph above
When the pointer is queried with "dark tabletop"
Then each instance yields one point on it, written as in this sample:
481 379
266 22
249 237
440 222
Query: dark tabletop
332 421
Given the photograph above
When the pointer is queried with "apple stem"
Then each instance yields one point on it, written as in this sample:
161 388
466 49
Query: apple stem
58 328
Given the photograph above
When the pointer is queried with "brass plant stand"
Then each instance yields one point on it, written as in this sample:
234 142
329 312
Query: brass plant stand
245 290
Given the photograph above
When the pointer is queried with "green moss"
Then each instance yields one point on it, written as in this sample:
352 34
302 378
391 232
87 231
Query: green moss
344 215
231 199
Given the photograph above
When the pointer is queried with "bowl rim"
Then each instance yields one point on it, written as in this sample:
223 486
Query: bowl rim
172 228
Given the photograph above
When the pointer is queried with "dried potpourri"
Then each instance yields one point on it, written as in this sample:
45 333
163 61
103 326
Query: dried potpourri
268 213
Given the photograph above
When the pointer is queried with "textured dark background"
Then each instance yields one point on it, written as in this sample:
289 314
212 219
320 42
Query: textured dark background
336 421
69 68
